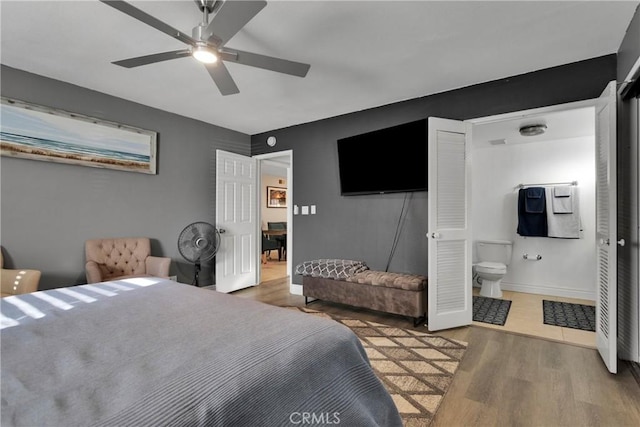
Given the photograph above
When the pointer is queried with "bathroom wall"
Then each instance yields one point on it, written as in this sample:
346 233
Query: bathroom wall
567 267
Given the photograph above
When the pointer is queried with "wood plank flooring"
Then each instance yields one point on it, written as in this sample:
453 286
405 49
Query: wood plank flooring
507 379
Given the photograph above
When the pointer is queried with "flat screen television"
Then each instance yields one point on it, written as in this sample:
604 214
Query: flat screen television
390 160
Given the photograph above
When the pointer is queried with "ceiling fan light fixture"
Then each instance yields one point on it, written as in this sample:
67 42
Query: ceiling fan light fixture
533 130
204 54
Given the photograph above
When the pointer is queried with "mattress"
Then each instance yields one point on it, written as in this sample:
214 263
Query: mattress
151 352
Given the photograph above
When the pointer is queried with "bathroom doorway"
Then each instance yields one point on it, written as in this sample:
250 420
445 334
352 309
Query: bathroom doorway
541 268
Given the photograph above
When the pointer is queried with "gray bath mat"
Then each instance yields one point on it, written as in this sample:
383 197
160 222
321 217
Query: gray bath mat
490 310
568 315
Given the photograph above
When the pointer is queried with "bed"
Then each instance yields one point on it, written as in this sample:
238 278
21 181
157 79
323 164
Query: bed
151 352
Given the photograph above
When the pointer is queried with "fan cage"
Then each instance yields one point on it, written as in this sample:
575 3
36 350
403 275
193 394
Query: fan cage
199 242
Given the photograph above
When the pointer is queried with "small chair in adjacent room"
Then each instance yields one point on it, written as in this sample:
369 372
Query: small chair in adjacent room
269 245
15 282
281 239
121 258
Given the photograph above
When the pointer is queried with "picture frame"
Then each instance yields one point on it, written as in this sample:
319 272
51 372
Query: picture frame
35 132
277 197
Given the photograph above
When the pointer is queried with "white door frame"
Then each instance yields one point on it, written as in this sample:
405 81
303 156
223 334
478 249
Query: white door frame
534 111
261 201
543 110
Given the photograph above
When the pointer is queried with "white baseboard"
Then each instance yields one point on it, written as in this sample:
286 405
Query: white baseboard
295 289
549 290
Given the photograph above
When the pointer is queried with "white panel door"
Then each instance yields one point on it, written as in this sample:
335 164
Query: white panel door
450 301
237 221
606 233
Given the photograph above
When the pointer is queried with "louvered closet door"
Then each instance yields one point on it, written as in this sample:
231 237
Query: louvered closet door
449 290
606 233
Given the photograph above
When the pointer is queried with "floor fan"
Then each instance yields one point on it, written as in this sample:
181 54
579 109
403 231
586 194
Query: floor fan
198 243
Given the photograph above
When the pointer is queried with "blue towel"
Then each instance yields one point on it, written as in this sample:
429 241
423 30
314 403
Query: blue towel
535 201
532 224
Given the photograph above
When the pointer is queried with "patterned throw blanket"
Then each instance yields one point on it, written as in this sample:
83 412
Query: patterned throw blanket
331 268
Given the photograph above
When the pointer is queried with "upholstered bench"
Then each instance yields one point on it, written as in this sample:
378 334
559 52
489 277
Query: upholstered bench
354 284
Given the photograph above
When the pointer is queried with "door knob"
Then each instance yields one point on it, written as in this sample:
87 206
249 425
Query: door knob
435 235
221 230
621 242
604 242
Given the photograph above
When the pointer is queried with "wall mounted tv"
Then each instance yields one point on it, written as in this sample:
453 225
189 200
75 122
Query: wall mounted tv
390 160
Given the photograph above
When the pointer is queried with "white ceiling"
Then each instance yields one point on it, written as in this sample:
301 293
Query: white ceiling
363 54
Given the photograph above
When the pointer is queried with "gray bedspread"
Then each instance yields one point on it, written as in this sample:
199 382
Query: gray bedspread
150 352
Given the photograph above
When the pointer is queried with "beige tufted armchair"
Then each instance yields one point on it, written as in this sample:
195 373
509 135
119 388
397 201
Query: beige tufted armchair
119 258
16 282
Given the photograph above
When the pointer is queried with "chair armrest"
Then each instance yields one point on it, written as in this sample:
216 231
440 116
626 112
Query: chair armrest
16 282
158 266
93 272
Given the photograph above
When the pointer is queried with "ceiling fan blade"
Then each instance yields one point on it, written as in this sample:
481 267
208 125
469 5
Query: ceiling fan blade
220 75
265 62
138 14
230 18
150 59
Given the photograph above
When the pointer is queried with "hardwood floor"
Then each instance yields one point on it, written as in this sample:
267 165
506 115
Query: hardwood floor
507 379
273 269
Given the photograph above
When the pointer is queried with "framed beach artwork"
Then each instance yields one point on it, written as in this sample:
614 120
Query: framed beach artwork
35 132
276 197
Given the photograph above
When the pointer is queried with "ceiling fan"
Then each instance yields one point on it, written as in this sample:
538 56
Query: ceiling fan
208 39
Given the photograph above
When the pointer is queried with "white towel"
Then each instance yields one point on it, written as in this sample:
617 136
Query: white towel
564 225
562 202
563 191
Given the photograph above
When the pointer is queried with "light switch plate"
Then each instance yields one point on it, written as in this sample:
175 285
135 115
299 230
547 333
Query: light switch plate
295 209
313 209
305 210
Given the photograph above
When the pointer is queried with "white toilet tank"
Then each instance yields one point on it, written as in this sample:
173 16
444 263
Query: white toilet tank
494 251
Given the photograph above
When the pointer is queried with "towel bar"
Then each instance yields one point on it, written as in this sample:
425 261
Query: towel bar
547 183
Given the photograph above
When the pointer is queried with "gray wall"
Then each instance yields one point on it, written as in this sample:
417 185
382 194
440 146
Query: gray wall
362 227
628 196
49 209
629 48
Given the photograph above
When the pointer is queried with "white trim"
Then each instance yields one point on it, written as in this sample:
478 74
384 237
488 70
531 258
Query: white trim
265 157
534 111
295 289
549 290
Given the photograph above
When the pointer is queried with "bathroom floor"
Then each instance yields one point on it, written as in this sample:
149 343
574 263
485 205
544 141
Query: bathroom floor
525 317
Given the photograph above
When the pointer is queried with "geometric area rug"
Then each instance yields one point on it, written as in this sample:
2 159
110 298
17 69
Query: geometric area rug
568 315
490 310
415 367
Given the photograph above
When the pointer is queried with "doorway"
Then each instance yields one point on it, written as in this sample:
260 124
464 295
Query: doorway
275 180
541 268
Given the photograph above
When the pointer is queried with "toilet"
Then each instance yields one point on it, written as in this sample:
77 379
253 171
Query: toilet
493 258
